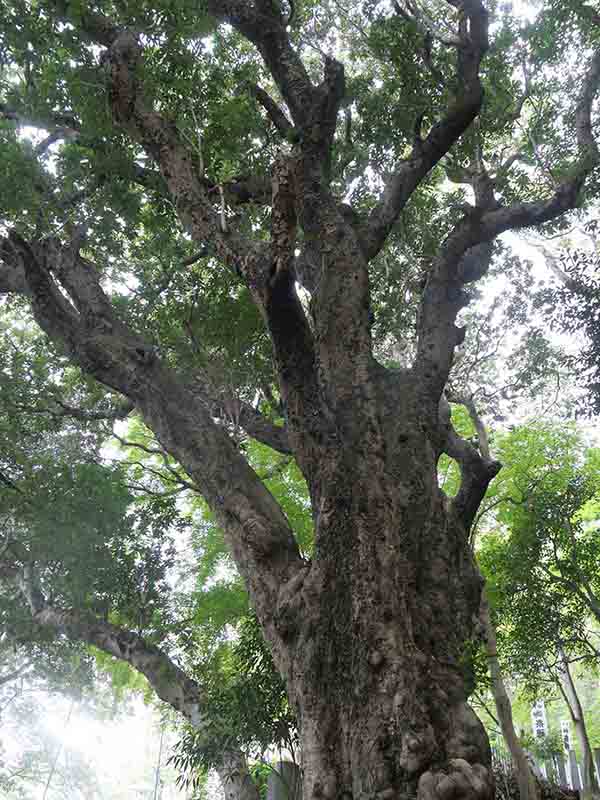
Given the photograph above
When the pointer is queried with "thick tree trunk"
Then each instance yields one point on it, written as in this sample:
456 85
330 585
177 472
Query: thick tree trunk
375 667
590 784
370 636
528 786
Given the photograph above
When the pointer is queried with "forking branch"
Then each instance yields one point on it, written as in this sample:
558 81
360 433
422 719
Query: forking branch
471 44
416 12
477 467
444 294
77 313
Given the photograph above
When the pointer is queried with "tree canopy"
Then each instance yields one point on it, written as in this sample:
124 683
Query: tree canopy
238 245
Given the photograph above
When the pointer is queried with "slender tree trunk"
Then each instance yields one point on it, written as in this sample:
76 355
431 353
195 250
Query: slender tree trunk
528 786
569 692
235 778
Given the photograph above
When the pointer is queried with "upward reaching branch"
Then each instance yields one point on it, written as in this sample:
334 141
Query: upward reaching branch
169 682
259 535
477 468
161 140
313 107
264 25
275 114
471 43
454 266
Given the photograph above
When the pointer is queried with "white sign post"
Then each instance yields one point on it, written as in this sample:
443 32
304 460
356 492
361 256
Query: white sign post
539 721
565 734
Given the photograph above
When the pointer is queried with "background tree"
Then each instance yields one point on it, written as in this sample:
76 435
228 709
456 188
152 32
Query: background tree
541 546
539 563
570 301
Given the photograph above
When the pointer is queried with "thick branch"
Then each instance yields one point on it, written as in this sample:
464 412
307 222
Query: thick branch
283 218
259 536
275 114
12 279
119 412
443 297
465 253
265 26
263 430
84 414
476 470
297 370
228 407
292 337
55 314
313 108
161 140
96 27
57 123
426 153
169 682
482 434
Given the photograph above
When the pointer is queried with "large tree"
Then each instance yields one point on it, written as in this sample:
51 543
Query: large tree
157 171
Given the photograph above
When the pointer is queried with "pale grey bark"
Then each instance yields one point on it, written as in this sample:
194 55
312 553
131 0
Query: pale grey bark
235 778
168 680
569 692
529 788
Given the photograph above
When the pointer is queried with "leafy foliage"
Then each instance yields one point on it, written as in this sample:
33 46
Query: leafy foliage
539 557
573 307
246 704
